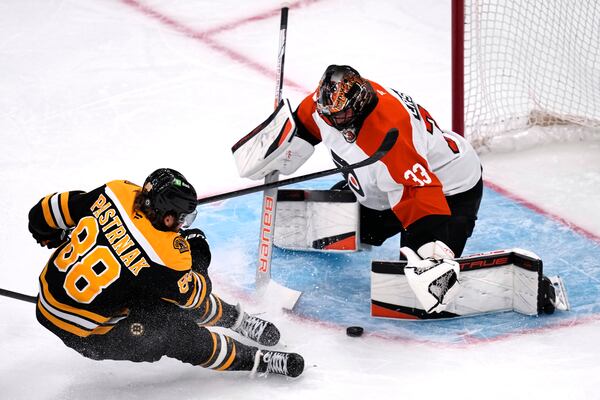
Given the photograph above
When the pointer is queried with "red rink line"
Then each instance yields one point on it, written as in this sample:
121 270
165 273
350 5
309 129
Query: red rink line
206 36
466 340
259 17
539 210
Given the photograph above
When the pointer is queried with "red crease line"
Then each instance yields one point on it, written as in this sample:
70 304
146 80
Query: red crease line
540 210
205 37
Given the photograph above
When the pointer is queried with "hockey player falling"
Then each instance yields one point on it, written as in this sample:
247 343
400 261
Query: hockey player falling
427 187
129 284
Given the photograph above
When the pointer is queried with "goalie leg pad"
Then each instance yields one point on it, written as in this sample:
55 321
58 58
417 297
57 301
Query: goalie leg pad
501 280
317 220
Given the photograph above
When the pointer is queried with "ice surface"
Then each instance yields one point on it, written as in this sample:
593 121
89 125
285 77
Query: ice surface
94 91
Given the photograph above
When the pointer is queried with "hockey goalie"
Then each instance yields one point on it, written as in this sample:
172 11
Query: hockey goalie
427 188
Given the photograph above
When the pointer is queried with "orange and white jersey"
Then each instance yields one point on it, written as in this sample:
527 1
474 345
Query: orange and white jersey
424 165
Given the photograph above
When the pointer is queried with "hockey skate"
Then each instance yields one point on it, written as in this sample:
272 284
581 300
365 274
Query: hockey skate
257 329
277 362
554 295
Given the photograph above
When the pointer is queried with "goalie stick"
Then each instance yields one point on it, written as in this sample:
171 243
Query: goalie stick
267 222
386 144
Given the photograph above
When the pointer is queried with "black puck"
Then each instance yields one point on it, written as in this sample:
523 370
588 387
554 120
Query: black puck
354 331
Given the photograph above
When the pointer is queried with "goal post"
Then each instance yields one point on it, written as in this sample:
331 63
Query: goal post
525 72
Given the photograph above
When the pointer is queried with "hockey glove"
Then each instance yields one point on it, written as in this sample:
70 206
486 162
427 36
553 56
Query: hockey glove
432 275
199 248
51 239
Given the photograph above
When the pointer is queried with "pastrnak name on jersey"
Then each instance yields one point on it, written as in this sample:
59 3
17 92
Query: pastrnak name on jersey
117 235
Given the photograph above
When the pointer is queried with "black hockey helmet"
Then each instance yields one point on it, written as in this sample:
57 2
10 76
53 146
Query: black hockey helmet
167 192
343 96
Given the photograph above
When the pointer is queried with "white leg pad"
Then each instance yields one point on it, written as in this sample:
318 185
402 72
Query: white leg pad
317 220
506 280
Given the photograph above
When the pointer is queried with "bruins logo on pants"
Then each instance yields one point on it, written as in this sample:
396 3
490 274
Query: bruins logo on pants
137 329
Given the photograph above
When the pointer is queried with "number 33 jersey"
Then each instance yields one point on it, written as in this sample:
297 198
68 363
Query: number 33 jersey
424 165
113 260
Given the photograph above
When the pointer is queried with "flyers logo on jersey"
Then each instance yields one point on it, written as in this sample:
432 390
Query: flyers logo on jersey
179 243
349 176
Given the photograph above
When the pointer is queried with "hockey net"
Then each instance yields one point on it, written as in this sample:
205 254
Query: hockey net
531 72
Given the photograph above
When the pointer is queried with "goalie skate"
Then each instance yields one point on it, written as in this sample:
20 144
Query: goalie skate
561 299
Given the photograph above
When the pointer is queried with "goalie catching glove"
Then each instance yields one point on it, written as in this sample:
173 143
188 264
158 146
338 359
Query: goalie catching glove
432 275
272 146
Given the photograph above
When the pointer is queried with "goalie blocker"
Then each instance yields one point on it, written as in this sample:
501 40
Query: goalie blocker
503 280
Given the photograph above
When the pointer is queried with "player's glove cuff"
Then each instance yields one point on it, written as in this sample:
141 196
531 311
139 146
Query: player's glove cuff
51 239
199 248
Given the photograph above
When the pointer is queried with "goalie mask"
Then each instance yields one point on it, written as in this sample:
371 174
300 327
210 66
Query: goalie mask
167 192
344 98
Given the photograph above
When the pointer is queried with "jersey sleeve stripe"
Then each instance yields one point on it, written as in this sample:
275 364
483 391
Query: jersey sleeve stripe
55 208
194 296
197 296
47 212
202 282
64 205
200 286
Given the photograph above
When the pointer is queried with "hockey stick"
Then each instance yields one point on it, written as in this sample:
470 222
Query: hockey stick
267 222
384 147
18 296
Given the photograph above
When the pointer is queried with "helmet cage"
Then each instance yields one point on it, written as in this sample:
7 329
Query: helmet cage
343 95
186 220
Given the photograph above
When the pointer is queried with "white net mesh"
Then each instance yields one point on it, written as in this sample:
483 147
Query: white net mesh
531 63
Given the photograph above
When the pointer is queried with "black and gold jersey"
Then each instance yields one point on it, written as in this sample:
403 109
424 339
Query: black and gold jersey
113 260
